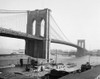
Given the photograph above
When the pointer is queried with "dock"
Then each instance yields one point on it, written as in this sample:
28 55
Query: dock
89 74
20 73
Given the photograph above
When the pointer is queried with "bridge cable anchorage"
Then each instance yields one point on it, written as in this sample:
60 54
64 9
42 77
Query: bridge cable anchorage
12 11
59 28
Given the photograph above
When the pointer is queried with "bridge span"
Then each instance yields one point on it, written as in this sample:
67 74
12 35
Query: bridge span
65 43
37 45
20 35
17 34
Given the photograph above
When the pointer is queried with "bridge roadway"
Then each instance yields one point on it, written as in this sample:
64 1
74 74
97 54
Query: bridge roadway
17 34
65 43
21 35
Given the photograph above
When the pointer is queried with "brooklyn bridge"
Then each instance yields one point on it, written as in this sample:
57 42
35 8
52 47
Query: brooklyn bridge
41 31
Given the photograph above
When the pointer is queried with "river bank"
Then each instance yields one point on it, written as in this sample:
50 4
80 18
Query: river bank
89 74
94 61
15 59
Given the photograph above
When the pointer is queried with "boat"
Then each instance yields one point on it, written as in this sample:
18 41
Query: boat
70 65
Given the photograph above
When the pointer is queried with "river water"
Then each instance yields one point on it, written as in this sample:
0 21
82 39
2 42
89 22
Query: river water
94 60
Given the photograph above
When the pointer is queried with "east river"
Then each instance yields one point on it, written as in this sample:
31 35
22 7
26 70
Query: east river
94 60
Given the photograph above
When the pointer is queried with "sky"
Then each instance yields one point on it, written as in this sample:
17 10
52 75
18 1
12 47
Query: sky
78 19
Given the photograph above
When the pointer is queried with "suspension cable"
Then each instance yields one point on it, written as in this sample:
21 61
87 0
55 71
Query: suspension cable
59 28
13 11
55 32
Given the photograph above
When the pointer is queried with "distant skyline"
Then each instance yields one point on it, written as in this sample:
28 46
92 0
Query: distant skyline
78 19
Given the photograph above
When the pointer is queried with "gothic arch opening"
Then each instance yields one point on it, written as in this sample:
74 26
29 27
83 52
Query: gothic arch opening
42 27
34 27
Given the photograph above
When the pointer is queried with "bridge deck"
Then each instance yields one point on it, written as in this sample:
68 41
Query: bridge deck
64 42
17 34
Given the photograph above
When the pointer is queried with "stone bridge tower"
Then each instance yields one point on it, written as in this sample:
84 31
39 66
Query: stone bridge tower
81 51
81 43
38 48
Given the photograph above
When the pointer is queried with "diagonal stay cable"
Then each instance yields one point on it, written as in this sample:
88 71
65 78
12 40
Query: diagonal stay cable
59 28
56 32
